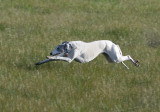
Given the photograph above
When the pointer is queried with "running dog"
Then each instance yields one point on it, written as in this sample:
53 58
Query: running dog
84 52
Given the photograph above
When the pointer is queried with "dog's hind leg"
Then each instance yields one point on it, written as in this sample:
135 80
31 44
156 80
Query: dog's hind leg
125 58
109 59
125 65
135 62
117 57
121 55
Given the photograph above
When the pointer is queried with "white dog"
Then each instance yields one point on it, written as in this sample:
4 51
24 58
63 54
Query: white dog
84 52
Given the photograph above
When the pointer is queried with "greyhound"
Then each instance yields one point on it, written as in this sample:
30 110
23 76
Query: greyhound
84 52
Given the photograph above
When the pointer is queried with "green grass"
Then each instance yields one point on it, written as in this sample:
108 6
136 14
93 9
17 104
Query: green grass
29 31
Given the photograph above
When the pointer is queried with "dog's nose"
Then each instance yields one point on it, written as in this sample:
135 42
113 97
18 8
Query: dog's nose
50 53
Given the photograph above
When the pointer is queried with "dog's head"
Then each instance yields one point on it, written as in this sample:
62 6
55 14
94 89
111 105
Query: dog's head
61 50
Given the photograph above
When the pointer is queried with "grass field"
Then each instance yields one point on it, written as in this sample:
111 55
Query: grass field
30 30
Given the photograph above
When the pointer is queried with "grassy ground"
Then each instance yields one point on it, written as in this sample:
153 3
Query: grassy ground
30 29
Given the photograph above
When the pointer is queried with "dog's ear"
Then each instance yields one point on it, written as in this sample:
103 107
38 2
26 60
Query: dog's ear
66 46
65 42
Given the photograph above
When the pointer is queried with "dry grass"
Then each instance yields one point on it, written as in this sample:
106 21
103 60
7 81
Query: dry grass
29 30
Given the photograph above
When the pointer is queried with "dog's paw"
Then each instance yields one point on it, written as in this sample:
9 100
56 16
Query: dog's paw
37 63
51 57
136 63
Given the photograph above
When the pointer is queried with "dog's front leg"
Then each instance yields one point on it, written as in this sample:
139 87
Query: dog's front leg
60 58
70 58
